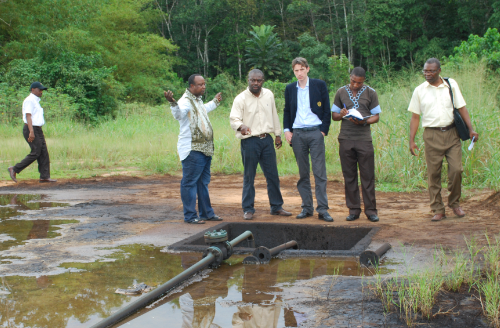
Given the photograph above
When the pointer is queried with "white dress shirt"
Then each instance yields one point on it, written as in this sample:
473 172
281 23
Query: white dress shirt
31 105
305 118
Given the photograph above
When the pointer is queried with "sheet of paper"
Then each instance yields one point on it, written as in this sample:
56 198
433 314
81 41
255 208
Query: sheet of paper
355 114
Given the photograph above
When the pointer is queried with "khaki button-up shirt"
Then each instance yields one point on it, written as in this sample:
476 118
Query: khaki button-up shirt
258 113
434 104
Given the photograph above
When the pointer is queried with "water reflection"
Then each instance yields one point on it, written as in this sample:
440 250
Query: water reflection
239 296
15 232
234 295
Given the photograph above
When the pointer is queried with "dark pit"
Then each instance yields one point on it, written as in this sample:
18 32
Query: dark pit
313 240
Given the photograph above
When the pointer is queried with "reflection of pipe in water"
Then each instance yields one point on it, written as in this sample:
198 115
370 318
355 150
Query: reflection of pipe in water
368 258
262 255
220 250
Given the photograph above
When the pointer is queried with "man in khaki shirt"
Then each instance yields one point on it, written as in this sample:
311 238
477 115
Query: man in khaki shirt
253 117
432 101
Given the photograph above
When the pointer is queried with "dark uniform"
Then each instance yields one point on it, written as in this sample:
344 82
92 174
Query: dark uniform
356 148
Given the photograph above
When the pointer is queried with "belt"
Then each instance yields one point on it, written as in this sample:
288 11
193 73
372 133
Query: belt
443 129
314 128
262 136
34 126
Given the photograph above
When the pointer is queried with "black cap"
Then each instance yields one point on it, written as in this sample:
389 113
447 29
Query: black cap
37 85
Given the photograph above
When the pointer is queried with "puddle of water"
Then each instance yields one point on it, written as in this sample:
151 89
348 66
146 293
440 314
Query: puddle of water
234 295
15 232
13 204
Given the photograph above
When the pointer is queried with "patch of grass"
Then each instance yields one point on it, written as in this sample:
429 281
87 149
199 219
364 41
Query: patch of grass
489 289
145 138
414 295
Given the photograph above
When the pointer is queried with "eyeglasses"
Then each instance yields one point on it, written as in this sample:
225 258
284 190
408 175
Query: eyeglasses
434 71
255 80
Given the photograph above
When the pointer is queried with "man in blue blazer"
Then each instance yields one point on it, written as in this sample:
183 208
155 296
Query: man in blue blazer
306 121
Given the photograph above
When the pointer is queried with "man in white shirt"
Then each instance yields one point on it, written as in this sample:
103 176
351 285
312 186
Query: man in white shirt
432 101
254 117
32 132
195 148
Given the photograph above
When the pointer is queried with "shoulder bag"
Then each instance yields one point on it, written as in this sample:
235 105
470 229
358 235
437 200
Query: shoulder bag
462 129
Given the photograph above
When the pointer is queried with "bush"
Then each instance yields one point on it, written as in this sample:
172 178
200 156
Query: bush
477 48
56 105
83 77
224 83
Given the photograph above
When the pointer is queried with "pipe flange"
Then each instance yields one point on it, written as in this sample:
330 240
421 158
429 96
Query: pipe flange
219 257
263 254
251 260
229 250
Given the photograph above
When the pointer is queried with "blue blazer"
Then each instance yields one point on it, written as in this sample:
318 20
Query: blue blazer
320 104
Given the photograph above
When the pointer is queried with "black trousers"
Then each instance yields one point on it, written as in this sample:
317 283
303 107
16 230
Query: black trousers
353 153
38 153
256 151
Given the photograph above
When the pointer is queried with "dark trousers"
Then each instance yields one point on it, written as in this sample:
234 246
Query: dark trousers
353 153
38 153
195 180
312 143
255 151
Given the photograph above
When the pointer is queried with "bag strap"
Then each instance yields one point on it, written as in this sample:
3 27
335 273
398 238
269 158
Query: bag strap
447 79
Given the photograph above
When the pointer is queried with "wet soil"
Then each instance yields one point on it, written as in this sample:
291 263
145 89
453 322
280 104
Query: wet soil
108 213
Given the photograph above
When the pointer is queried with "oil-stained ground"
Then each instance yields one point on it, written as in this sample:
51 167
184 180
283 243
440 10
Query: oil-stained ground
79 239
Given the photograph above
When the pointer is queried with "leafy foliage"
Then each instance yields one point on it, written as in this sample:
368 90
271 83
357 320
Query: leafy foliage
477 48
263 50
317 55
82 77
57 105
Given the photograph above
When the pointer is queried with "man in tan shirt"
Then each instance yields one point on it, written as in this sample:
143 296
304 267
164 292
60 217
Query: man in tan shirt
432 101
253 117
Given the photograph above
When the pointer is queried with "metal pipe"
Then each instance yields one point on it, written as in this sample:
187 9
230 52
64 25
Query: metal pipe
155 293
212 254
282 247
368 258
246 235
264 255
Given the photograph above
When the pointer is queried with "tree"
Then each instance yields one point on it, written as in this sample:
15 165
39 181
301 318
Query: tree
263 50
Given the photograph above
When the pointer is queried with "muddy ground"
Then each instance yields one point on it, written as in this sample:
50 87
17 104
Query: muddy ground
119 210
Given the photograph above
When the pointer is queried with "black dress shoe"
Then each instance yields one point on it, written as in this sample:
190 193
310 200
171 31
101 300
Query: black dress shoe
325 217
213 218
303 215
281 212
373 218
352 217
12 173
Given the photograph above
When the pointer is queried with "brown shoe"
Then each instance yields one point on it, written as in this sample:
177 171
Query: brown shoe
439 217
281 212
248 216
459 212
12 173
48 180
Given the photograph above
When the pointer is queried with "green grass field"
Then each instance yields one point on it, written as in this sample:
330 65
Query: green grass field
143 139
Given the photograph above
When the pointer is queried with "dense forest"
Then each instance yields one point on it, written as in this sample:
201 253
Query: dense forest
98 53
